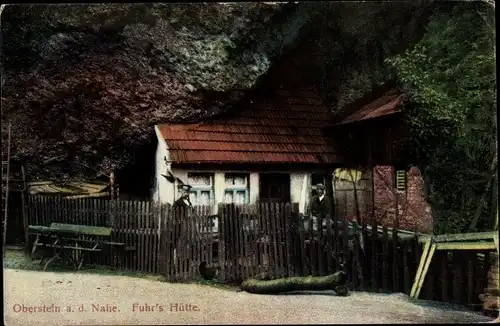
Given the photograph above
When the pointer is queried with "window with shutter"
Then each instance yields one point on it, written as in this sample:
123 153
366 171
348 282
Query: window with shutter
400 180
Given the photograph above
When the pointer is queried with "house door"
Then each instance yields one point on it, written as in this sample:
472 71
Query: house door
274 187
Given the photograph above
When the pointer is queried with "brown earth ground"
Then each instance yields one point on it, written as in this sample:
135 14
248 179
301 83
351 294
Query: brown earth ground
24 288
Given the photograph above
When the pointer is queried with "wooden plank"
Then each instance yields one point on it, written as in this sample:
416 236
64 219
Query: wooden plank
310 246
187 248
122 212
165 252
287 211
194 262
237 227
140 231
273 238
280 239
214 241
395 257
458 279
184 244
83 229
354 264
304 271
261 239
363 259
459 237
249 239
471 295
346 252
41 211
420 269
385 260
231 244
428 261
120 221
34 210
269 238
249 272
329 245
149 244
196 244
151 235
406 269
200 245
177 216
44 206
320 248
153 211
335 244
374 260
203 227
443 259
255 246
238 259
222 240
466 246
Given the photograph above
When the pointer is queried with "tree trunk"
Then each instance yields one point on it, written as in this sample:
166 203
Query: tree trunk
336 282
484 196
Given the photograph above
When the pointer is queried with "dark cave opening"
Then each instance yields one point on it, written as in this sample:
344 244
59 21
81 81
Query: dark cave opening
136 180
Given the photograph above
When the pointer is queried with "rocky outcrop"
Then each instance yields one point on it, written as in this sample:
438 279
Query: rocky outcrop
84 84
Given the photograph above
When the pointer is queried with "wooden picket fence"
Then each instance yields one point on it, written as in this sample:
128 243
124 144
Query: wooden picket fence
242 241
273 239
133 222
269 238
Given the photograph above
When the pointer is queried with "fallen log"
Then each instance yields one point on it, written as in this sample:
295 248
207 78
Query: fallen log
336 282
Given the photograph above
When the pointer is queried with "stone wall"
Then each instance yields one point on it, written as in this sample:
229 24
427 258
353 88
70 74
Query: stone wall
413 211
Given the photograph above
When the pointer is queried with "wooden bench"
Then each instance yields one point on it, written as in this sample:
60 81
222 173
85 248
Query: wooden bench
65 241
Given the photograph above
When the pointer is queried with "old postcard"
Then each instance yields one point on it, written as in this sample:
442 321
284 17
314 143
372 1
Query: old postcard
249 163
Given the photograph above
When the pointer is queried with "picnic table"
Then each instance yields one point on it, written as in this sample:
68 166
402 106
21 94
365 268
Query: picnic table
71 242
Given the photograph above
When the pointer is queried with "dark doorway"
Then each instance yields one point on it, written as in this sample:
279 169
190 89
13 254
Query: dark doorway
136 179
274 187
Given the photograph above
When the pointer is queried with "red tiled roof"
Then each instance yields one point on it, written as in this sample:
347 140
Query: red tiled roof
384 105
283 127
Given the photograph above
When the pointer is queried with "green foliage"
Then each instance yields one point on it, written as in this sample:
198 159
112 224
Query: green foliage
450 79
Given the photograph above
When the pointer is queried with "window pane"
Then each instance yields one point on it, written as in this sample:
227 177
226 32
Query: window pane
192 198
236 179
199 179
204 198
228 197
240 198
229 180
240 181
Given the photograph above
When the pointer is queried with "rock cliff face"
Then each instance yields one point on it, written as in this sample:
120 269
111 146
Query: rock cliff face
84 84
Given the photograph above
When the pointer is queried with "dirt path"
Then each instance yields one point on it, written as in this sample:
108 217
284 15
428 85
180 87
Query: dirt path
25 289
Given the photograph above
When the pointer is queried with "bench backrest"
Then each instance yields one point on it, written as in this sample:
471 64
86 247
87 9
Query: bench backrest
82 229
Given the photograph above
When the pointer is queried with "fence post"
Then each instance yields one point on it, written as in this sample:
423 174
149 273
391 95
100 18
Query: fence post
395 254
289 241
374 251
222 254
385 260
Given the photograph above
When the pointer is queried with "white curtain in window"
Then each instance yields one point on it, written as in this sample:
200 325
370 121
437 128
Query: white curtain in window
240 198
239 181
192 198
203 180
205 198
228 197
229 180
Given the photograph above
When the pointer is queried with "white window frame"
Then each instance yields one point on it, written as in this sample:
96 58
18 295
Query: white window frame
237 188
198 189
